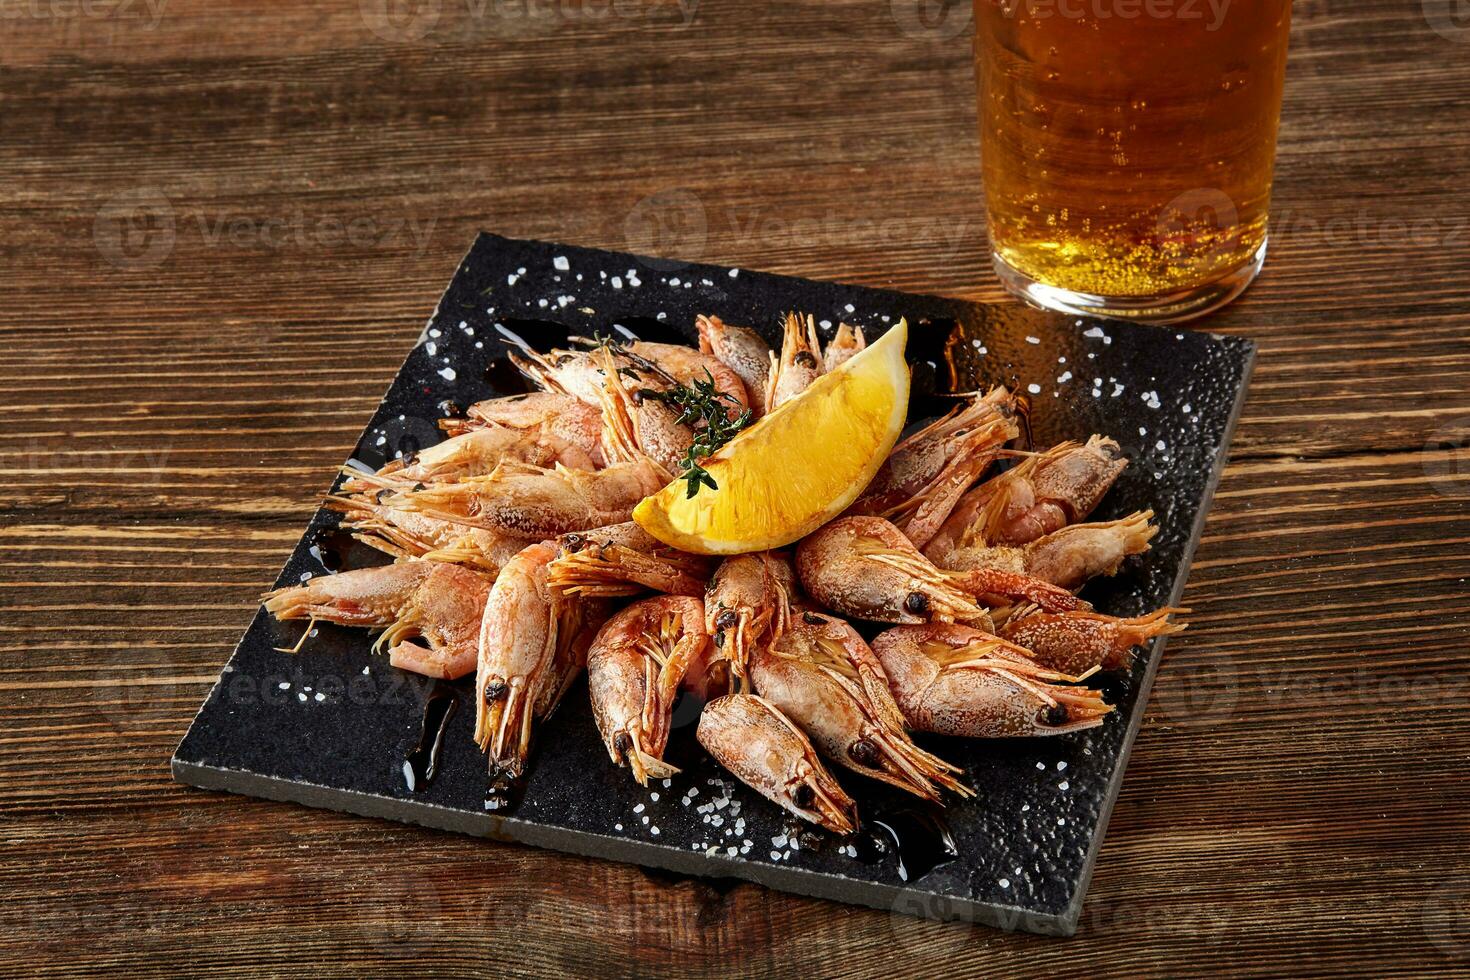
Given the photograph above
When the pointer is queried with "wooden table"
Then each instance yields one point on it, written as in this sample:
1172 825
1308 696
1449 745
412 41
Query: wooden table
223 224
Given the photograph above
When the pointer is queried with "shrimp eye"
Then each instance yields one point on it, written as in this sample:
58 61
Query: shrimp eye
1111 451
573 542
494 691
803 796
804 359
1052 715
864 753
562 361
622 743
726 619
917 603
384 494
720 640
812 619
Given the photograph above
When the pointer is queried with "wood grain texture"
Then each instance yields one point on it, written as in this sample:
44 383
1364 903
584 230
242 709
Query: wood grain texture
299 190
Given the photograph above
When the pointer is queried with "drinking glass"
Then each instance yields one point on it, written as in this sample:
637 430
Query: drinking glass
1127 149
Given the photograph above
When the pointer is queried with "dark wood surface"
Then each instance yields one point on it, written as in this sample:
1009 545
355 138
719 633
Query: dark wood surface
175 401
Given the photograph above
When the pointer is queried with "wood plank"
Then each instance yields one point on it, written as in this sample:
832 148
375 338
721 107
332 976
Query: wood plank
1293 805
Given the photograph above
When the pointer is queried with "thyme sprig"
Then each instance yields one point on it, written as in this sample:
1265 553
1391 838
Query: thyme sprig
705 408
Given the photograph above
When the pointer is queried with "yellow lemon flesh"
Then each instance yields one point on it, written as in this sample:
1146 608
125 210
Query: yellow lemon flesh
798 467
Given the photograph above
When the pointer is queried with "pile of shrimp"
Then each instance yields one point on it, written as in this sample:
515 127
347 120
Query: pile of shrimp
517 560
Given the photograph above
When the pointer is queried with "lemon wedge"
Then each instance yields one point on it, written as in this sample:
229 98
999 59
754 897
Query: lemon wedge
798 467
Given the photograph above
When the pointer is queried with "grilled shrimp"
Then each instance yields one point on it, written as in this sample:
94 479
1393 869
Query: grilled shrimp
532 502
799 365
746 607
578 373
531 647
743 351
1042 494
921 516
1076 642
638 663
405 534
750 737
953 680
479 451
637 427
1065 558
847 342
440 604
539 414
685 365
919 460
623 560
864 567
822 676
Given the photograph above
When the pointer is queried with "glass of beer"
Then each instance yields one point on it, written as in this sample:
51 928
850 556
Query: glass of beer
1127 149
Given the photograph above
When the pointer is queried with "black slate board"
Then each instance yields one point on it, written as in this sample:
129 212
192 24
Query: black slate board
330 726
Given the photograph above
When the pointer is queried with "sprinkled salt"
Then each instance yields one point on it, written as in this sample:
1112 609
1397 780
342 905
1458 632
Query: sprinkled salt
617 282
561 264
447 373
1034 389
510 280
638 808
1033 340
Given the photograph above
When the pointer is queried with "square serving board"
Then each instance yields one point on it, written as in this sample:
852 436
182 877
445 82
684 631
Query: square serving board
332 725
